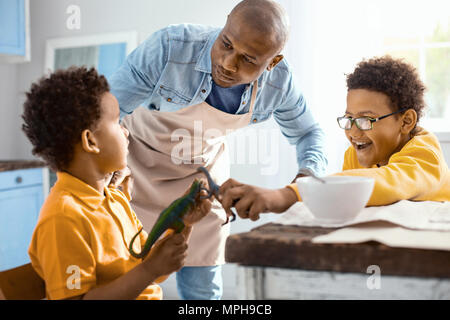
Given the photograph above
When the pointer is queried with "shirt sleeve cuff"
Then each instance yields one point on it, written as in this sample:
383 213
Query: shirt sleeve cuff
293 186
313 166
64 292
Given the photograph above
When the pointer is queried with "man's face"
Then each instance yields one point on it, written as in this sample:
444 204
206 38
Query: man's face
240 54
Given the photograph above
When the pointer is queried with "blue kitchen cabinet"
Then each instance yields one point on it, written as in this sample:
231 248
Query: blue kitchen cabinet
21 197
14 31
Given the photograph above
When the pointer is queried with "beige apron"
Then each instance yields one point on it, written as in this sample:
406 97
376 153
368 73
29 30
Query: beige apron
166 148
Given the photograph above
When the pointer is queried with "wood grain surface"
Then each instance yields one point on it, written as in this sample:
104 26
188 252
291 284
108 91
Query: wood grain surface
282 246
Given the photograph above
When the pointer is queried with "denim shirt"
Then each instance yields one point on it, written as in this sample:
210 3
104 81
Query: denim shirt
171 70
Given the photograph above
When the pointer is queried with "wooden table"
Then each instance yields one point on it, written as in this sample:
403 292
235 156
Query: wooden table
280 262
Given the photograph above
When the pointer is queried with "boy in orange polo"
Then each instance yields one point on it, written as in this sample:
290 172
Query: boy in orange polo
80 243
385 101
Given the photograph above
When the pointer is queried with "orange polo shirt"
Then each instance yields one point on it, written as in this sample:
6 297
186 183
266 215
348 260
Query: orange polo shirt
417 172
83 234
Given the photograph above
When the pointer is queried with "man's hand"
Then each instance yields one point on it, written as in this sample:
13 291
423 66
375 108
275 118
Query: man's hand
251 201
122 180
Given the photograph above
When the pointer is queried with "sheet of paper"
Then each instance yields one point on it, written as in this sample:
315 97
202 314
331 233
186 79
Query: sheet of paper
389 234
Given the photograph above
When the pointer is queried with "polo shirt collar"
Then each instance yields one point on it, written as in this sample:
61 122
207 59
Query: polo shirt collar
80 190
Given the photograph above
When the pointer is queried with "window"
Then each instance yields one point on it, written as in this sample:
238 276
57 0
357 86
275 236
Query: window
106 52
421 35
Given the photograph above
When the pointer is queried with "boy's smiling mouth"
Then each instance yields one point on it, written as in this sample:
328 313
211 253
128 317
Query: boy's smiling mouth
361 145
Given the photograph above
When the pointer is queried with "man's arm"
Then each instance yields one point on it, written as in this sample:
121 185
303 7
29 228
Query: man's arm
135 80
300 128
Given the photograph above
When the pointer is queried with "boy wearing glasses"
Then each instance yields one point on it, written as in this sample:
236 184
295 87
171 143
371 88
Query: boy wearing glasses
385 101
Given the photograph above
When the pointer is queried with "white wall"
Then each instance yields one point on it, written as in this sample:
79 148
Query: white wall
9 112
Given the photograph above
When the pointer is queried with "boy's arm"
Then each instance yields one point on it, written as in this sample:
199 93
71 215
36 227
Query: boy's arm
62 252
408 175
126 287
167 256
250 201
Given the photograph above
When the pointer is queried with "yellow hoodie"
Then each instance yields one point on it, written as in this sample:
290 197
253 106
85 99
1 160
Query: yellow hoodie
417 172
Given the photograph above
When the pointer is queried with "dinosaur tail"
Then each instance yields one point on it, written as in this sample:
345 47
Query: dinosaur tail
153 236
130 247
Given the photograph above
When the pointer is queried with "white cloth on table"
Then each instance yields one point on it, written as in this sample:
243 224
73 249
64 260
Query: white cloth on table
408 224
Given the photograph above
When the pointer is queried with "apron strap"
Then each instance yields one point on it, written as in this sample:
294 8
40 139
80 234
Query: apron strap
253 98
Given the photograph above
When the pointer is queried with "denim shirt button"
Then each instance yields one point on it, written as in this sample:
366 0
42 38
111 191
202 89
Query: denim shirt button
255 120
169 100
203 90
243 102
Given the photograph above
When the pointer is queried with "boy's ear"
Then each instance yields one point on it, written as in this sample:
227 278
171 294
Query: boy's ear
88 142
409 121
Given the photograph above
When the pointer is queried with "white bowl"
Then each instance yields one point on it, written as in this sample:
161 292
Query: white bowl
340 199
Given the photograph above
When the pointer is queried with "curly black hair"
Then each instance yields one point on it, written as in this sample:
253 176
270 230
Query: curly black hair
57 110
393 77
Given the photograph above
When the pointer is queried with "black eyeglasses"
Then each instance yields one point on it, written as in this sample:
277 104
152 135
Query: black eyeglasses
363 123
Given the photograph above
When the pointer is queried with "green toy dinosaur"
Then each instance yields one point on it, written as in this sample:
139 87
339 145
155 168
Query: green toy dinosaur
172 216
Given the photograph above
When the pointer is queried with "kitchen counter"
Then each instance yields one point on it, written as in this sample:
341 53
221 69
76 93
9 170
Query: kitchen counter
9 165
24 185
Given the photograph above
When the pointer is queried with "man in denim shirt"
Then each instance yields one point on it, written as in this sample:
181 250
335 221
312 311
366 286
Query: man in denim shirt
186 65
